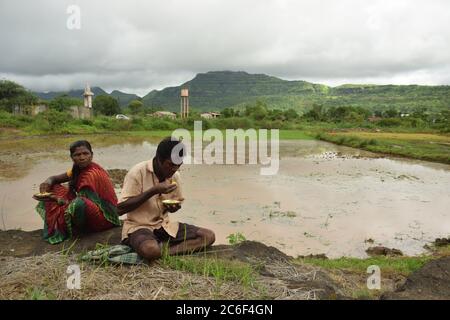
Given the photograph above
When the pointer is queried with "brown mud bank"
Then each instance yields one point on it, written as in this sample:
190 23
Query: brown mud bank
23 254
281 276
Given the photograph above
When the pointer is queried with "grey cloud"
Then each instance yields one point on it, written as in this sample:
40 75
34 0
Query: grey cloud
142 45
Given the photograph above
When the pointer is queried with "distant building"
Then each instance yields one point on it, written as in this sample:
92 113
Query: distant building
81 112
29 110
77 112
210 115
184 103
164 114
88 94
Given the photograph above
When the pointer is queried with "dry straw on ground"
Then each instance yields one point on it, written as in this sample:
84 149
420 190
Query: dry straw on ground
45 277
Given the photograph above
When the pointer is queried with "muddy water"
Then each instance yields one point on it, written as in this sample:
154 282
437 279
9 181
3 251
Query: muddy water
325 198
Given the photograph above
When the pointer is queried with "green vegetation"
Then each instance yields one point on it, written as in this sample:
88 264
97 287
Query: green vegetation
218 90
37 293
124 99
106 105
352 272
64 102
220 270
136 106
236 238
388 265
431 147
346 122
13 94
78 93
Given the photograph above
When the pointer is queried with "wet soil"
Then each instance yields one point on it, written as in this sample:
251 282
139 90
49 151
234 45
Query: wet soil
431 282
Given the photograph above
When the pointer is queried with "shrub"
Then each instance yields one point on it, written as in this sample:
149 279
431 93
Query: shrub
390 122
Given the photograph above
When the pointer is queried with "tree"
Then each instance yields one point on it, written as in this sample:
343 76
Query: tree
106 105
55 119
338 113
135 106
378 113
12 94
150 110
228 112
64 102
315 113
420 112
291 114
391 113
353 116
258 111
277 114
444 116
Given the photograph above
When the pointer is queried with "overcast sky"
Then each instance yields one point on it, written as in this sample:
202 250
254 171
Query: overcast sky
136 46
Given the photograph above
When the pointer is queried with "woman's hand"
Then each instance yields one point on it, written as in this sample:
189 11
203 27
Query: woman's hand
45 186
165 187
49 197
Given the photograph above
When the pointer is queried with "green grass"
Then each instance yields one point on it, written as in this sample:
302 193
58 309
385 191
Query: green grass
152 133
236 238
365 294
430 147
220 270
296 135
36 293
400 265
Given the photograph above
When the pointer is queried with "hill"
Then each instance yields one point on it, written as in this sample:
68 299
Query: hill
219 89
123 98
77 93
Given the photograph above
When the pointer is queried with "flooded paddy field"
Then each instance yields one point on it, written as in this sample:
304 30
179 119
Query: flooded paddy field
324 199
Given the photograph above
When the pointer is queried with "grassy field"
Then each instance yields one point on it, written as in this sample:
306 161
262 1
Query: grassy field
422 146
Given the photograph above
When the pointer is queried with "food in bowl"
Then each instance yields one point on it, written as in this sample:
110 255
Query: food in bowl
42 195
171 202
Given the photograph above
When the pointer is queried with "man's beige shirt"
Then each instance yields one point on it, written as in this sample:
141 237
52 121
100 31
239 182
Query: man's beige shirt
150 214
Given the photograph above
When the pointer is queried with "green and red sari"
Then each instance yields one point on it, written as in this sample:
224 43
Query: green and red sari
92 208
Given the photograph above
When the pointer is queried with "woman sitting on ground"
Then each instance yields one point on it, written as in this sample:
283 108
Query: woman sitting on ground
88 205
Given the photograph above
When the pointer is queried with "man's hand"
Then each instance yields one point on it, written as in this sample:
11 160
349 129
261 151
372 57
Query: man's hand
165 187
172 207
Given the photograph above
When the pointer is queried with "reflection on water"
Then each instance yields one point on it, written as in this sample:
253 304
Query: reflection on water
324 199
19 156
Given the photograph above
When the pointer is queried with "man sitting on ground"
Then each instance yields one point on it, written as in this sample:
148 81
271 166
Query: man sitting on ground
148 225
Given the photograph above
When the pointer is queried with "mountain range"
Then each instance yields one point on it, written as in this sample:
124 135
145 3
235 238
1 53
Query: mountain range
123 98
216 90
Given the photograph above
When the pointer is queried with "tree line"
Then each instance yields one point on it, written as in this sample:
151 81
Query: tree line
13 94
